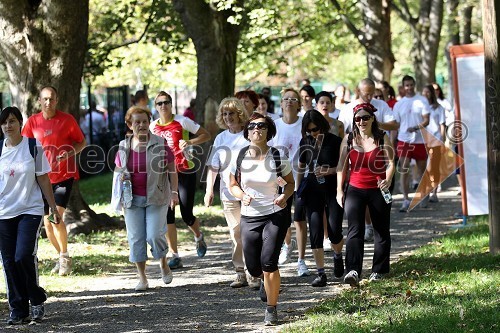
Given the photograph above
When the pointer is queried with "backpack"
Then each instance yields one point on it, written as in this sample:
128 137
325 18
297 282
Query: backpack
277 162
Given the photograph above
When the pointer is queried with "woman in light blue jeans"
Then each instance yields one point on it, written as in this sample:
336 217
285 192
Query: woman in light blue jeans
148 164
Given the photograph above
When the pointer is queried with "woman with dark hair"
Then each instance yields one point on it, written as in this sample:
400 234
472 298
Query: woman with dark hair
319 154
262 179
175 129
367 154
24 178
434 142
147 164
307 95
250 100
263 106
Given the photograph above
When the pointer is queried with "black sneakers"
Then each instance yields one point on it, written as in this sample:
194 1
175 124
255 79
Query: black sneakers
320 280
338 267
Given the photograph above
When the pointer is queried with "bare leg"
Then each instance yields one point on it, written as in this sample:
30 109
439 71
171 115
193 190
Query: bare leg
301 235
172 238
319 257
195 228
57 233
272 282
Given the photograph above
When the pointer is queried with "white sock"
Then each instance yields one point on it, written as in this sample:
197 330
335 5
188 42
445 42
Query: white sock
64 254
197 239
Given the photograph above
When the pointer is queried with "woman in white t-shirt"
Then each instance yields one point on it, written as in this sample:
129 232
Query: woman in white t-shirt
24 177
232 117
434 142
263 220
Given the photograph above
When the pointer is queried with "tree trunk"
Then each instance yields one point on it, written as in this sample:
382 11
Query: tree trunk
216 41
375 36
377 27
491 17
44 43
426 36
467 25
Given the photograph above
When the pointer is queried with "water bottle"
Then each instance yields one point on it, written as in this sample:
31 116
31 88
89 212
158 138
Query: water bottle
320 179
385 193
127 192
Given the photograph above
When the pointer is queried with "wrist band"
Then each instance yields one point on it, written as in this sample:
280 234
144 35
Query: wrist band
175 192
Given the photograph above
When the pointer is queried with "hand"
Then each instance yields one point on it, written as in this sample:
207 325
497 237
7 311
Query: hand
321 171
384 184
54 216
209 198
183 144
412 129
280 201
246 200
340 198
174 200
62 156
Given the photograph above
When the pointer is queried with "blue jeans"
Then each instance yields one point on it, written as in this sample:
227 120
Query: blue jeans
146 225
18 246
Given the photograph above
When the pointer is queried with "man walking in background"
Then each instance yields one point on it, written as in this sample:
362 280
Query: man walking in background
62 139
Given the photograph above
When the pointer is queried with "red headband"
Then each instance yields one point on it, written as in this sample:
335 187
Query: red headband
366 107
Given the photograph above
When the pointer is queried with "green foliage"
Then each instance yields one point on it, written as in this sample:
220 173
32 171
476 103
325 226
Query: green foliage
448 286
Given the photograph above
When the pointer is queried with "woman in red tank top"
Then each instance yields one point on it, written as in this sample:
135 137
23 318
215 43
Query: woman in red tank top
368 155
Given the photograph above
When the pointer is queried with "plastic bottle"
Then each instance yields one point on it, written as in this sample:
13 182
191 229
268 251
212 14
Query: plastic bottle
127 192
385 193
320 179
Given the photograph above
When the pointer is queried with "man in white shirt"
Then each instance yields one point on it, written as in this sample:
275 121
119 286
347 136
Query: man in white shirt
384 114
412 113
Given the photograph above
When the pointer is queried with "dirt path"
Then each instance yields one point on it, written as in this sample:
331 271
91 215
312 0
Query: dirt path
200 299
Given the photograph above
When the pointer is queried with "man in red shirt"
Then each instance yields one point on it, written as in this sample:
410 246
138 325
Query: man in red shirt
62 139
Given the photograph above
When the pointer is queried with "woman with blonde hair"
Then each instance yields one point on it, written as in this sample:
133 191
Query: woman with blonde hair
232 117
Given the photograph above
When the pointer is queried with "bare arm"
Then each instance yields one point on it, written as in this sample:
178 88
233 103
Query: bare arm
342 171
202 135
209 192
174 184
46 187
77 147
389 126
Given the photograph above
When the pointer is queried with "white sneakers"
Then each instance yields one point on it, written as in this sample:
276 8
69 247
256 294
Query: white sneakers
286 252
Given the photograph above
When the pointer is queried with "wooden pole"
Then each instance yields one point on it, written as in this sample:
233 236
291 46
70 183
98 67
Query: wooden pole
491 17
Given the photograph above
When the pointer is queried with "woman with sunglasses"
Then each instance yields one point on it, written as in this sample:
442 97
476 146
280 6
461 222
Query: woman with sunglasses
367 154
175 130
319 155
255 181
24 178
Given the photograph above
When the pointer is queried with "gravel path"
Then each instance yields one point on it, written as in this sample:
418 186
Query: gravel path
200 299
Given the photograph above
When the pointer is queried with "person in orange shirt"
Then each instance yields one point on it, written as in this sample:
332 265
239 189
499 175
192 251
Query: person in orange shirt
62 139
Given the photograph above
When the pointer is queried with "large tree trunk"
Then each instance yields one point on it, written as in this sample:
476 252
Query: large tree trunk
377 26
216 41
43 42
375 36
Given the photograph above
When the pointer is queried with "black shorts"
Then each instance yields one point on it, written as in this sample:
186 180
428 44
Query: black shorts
62 192
299 213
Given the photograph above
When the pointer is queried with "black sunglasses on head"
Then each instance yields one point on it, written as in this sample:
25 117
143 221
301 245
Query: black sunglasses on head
260 125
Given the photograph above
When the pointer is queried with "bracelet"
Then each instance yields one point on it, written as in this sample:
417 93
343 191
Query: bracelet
175 192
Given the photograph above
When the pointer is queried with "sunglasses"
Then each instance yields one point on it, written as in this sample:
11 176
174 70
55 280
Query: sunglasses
378 96
260 125
163 103
314 129
364 118
291 99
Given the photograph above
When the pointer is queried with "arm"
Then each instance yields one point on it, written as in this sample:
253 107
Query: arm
288 191
389 126
423 124
342 171
389 172
341 129
174 184
202 135
237 192
46 187
442 129
77 147
209 192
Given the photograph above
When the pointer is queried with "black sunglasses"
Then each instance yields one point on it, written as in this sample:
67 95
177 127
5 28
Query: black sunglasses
260 125
359 118
314 129
378 96
163 102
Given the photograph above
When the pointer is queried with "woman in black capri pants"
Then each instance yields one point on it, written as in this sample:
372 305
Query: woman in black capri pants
319 155
255 179
368 153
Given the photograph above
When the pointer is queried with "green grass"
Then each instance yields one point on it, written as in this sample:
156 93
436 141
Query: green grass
451 285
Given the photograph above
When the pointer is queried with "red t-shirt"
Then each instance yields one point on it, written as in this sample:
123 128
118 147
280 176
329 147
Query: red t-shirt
56 135
366 168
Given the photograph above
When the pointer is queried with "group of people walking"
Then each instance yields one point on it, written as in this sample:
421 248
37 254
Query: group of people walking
266 164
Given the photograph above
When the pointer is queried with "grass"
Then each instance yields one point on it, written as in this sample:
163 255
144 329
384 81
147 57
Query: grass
451 285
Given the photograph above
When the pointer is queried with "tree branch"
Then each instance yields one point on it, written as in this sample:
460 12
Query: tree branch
404 13
359 35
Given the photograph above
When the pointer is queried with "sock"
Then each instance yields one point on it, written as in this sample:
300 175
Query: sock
369 226
300 260
321 271
337 255
64 254
271 308
175 255
197 239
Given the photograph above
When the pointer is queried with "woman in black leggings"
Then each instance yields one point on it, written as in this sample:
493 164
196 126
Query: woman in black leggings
319 154
255 179
369 155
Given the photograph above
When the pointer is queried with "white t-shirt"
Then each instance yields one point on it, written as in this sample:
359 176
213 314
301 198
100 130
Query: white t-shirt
19 190
224 153
384 114
409 112
258 180
448 111
335 114
436 118
287 141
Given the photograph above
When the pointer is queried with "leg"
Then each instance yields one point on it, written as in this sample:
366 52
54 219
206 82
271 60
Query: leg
381 212
156 227
355 211
135 222
171 231
232 212
251 239
187 189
